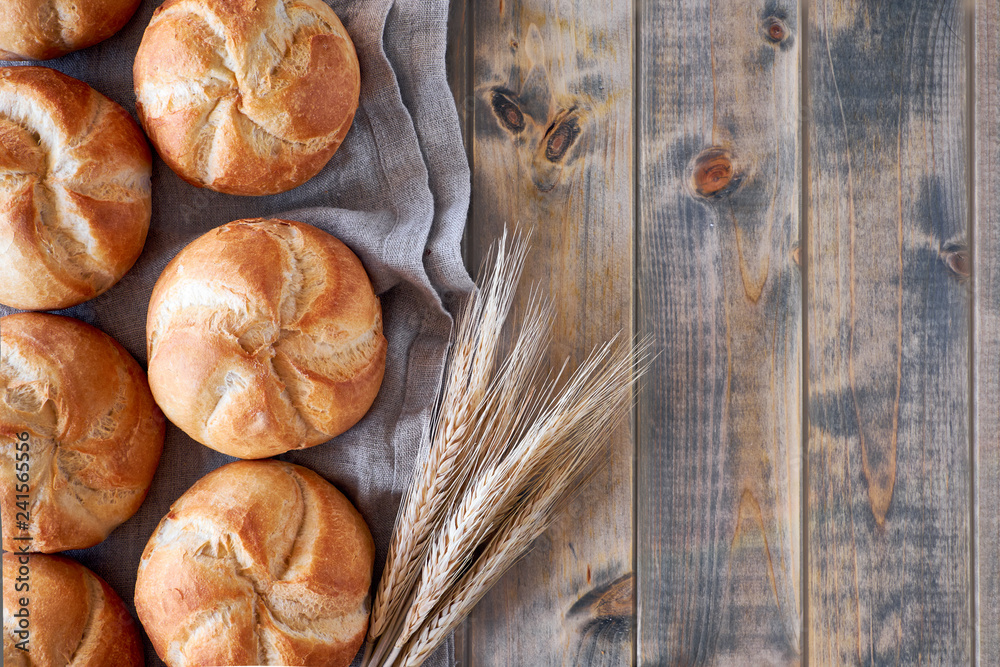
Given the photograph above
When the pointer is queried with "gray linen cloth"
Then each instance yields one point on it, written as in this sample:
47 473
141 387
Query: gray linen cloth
396 192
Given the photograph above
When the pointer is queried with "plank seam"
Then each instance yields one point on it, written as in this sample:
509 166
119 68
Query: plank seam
636 313
970 90
470 128
804 332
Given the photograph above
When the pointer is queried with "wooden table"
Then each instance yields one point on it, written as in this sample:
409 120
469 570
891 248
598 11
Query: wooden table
800 204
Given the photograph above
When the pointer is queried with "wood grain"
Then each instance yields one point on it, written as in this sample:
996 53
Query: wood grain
888 331
552 153
458 56
719 471
986 325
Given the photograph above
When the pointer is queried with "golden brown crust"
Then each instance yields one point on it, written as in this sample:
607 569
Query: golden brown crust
71 612
74 190
258 563
43 29
249 97
265 336
94 433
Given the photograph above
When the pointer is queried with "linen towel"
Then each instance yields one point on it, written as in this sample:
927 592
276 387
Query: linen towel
396 192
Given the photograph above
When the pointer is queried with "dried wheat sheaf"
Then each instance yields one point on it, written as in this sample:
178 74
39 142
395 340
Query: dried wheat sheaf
511 443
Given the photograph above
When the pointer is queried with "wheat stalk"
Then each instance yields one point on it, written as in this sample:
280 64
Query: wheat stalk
520 390
511 404
440 472
508 448
503 551
564 436
532 518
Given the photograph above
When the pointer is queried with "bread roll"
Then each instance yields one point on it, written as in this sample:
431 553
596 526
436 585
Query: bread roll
74 187
78 423
264 336
249 97
71 613
258 563
42 29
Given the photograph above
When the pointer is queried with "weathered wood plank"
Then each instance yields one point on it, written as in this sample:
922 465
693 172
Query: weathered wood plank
552 152
888 315
986 327
459 65
719 471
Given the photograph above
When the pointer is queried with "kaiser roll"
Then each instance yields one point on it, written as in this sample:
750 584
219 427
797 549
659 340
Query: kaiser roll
264 336
258 563
74 190
80 436
249 97
72 616
42 29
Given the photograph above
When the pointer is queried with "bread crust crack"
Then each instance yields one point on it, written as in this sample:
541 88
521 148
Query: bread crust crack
74 172
276 87
265 336
276 573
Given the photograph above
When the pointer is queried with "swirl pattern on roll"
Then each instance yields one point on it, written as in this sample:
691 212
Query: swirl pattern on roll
258 563
265 336
43 29
93 434
74 179
248 97
73 616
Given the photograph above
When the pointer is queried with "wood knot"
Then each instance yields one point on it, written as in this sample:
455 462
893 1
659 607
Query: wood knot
713 173
956 258
609 601
561 137
775 30
507 110
797 256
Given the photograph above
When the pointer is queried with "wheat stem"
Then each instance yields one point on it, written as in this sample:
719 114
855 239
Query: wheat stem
530 520
497 559
509 445
442 470
578 415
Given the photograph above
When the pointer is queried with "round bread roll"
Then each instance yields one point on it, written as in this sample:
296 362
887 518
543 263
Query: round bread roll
258 563
72 616
264 336
80 436
42 29
74 182
246 97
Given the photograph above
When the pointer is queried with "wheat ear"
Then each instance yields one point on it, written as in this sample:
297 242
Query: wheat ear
613 390
474 354
501 554
578 414
513 401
